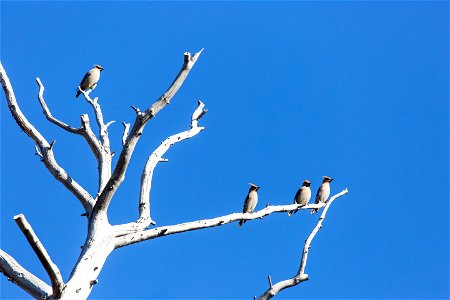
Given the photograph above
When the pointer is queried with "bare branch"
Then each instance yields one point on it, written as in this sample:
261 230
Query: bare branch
49 115
104 160
49 160
18 275
109 123
270 281
85 130
301 276
51 269
126 130
137 237
136 110
37 152
103 129
139 124
146 178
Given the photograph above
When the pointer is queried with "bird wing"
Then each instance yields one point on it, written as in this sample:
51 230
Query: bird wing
297 195
244 209
318 195
85 80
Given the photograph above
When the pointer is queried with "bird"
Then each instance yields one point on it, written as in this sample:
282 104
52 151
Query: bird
90 80
250 201
323 193
302 196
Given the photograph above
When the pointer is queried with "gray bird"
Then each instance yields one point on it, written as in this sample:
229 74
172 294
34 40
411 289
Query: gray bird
302 196
250 201
323 193
90 80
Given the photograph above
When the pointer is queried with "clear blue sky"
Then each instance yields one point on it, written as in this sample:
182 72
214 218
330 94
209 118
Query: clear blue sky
295 90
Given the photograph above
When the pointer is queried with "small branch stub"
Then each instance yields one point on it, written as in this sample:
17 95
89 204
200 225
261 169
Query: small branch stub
126 130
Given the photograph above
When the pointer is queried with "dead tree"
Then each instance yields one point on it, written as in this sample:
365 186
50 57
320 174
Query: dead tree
102 237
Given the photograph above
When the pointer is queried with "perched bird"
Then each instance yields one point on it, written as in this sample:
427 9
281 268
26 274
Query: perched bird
302 196
250 201
323 193
90 80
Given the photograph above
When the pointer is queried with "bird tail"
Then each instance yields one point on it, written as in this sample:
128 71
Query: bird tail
241 222
314 210
78 93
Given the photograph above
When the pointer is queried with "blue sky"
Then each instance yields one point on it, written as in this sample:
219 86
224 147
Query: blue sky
295 90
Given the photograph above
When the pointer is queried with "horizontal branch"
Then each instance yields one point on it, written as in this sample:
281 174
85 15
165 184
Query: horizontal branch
141 120
20 276
51 269
301 276
137 237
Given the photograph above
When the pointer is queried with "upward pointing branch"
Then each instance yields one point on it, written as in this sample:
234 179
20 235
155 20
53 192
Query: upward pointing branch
44 258
301 275
139 124
45 147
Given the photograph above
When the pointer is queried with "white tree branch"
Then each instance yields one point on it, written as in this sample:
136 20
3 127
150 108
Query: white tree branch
301 276
105 149
126 130
141 120
45 148
51 269
85 129
103 128
137 237
23 278
146 178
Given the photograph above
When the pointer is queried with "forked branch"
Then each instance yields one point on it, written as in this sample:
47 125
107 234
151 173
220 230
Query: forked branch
146 178
85 129
45 148
141 120
301 276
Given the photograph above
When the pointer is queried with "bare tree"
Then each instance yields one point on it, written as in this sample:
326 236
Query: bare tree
102 238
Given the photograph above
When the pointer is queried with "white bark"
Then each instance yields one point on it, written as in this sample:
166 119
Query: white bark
103 238
141 120
301 275
145 219
137 237
23 278
45 148
51 269
105 155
